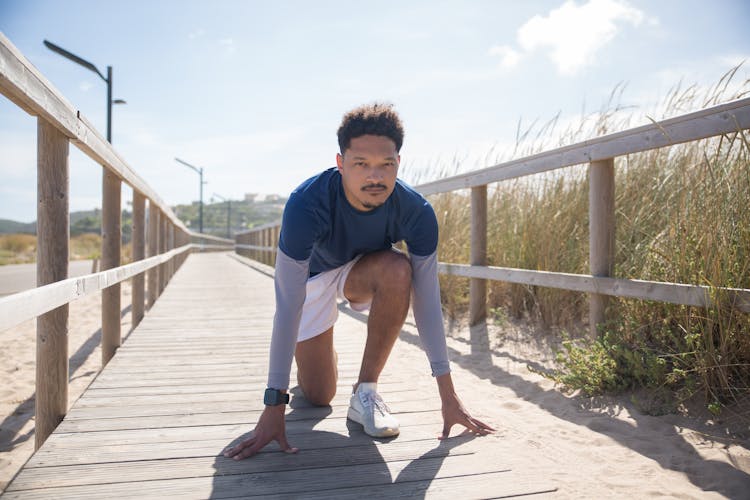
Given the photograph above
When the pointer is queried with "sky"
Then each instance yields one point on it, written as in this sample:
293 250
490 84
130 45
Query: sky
253 91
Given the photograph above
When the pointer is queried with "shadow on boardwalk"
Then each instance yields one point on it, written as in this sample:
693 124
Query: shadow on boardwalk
362 470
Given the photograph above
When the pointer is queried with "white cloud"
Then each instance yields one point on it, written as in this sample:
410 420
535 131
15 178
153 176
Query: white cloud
572 34
508 56
85 86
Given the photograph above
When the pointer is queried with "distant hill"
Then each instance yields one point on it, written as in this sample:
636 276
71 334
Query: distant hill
13 227
245 214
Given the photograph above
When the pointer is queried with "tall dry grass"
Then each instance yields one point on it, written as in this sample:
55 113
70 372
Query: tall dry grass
682 215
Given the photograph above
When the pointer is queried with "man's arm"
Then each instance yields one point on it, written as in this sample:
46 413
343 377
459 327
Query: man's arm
428 311
428 315
290 281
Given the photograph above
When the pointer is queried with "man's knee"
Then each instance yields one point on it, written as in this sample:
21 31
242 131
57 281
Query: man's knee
319 396
396 270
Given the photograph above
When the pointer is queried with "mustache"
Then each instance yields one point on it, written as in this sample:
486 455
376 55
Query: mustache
374 187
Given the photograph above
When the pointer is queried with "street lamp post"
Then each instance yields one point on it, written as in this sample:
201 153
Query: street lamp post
200 207
229 213
90 66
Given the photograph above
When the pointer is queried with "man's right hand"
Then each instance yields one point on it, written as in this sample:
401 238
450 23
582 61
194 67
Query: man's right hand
271 427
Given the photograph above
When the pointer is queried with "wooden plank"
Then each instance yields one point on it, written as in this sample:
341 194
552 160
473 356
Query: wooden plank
416 425
674 293
473 486
722 119
226 476
349 452
212 407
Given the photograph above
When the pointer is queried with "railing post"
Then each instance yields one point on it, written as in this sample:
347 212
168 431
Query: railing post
139 252
601 233
478 287
170 246
267 243
53 233
111 241
162 249
153 249
275 243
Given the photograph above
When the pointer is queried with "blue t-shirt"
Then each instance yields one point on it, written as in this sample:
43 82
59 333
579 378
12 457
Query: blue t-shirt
319 223
320 230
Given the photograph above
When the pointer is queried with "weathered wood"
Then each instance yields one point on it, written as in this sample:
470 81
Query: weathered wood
162 249
722 119
142 433
478 286
153 250
51 266
139 253
673 293
224 477
601 234
170 246
111 241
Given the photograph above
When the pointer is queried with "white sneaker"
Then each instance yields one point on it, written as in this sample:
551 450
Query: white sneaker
367 408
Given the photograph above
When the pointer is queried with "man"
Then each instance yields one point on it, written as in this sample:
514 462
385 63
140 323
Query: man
336 240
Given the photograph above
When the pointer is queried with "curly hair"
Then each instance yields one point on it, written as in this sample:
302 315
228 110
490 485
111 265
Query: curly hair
371 119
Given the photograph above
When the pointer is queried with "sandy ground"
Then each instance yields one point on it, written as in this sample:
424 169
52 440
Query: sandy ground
17 369
597 447
591 448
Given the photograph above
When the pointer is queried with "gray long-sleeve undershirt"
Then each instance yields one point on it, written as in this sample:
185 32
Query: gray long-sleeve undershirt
290 282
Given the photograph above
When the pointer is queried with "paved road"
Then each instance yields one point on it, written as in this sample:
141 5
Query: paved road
16 278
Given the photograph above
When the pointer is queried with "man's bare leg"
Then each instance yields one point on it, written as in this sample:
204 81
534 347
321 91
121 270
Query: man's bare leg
317 371
385 278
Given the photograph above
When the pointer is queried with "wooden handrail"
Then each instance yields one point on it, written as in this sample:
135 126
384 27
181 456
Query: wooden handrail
22 306
722 119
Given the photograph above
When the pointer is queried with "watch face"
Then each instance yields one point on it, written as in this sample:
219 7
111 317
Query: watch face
274 397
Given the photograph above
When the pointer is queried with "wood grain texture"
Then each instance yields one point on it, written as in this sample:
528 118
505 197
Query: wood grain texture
601 234
139 253
674 293
51 266
188 382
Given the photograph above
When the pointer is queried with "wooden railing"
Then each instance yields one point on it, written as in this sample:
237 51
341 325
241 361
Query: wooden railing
259 243
160 240
599 154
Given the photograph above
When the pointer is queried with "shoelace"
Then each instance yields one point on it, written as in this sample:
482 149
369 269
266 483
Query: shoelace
373 399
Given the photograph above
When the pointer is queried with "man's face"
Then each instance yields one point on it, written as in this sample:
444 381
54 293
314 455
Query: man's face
368 171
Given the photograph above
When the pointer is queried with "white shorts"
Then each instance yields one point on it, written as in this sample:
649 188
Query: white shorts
320 310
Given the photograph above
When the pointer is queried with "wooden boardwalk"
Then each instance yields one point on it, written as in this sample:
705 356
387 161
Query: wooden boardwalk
189 381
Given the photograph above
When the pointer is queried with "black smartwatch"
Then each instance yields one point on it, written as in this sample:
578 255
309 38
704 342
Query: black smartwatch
274 397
